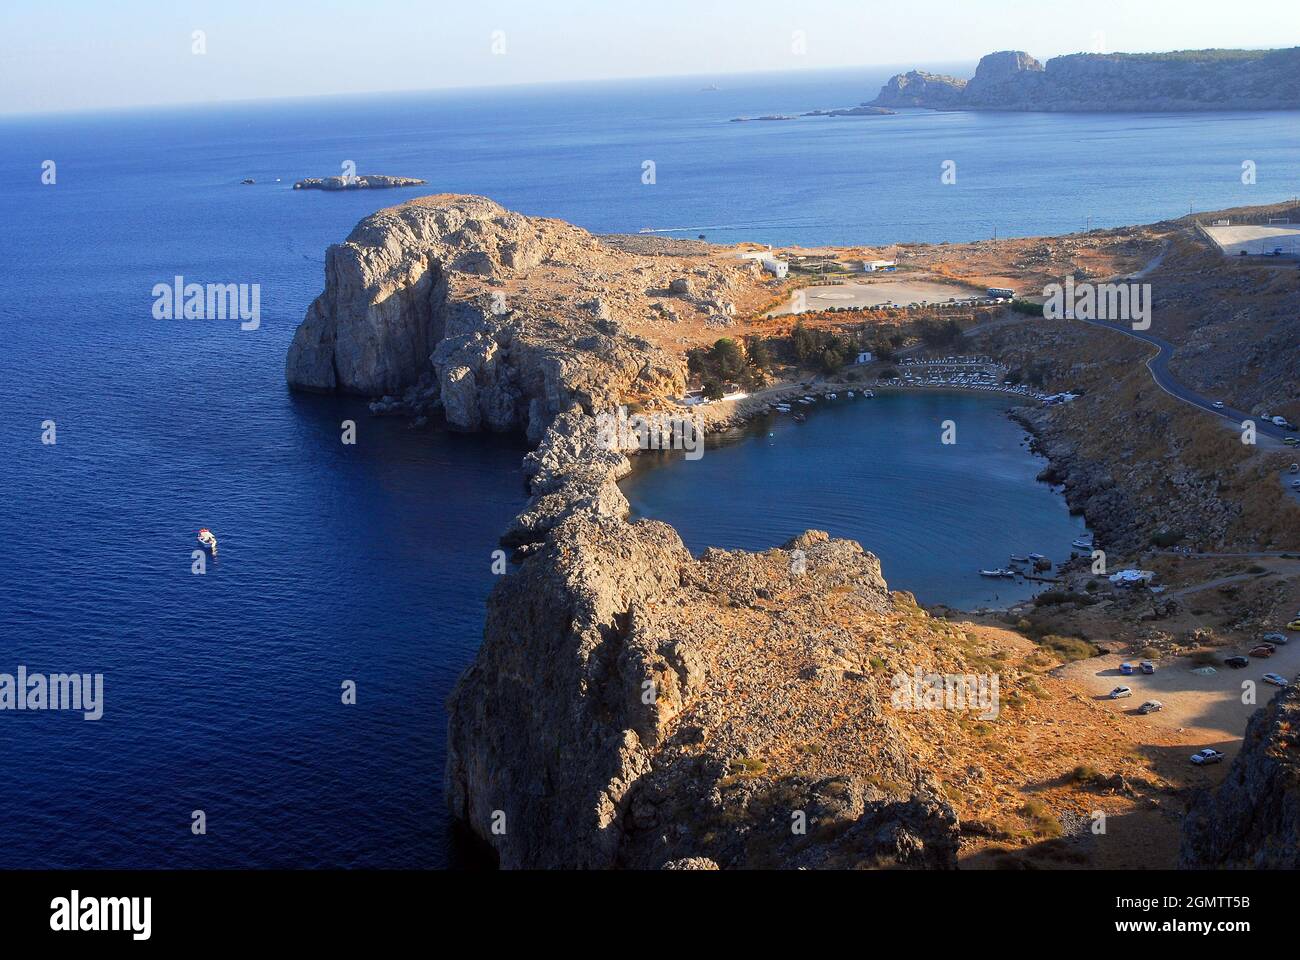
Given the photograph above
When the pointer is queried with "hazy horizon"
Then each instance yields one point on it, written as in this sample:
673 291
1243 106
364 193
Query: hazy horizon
146 53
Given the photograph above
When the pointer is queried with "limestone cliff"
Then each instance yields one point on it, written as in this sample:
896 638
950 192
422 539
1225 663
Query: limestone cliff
1252 820
502 320
1185 80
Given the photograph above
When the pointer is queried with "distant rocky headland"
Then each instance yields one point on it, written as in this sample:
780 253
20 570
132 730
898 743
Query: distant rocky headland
368 181
1098 82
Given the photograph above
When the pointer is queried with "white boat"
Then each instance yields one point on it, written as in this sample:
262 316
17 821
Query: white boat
1083 543
834 396
851 394
207 540
1003 574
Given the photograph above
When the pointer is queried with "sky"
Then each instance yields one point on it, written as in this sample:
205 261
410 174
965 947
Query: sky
59 55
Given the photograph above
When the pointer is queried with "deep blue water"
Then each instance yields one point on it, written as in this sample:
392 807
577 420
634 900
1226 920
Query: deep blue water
371 563
875 471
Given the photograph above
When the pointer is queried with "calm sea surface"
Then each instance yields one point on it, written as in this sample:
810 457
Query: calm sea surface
371 563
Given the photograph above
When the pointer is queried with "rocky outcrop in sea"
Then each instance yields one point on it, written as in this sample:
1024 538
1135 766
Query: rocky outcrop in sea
1184 80
369 181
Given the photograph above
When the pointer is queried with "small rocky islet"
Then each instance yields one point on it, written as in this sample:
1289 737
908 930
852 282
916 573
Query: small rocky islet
368 181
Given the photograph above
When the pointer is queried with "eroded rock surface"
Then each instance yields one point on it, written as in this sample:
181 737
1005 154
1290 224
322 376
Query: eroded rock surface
1251 821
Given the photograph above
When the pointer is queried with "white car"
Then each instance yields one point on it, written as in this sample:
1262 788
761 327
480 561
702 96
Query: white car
1119 693
1276 680
1219 404
1207 756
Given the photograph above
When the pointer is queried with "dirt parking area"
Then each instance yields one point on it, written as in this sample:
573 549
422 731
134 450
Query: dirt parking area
876 294
1209 711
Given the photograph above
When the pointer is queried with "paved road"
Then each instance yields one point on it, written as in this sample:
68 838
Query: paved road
1158 364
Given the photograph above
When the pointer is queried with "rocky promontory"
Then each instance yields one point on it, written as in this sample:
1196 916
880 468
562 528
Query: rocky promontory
500 320
1183 80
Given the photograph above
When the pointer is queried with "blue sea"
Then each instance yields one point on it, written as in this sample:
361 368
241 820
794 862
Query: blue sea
371 563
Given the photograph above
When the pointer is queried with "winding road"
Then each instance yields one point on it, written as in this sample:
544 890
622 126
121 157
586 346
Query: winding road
1158 364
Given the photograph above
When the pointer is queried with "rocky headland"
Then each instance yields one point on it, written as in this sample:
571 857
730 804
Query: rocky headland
1184 80
498 320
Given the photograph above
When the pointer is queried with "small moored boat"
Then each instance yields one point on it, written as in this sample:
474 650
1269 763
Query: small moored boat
208 540
1003 574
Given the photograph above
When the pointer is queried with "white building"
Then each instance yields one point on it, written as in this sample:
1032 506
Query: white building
1133 578
779 268
865 357
871 266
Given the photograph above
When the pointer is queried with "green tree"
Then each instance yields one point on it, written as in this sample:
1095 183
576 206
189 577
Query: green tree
727 359
760 355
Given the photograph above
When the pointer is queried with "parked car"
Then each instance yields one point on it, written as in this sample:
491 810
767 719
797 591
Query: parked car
1237 663
1119 693
1277 639
1207 756
1219 404
1151 706
1276 680
1264 651
1126 669
1148 667
1291 441
1294 626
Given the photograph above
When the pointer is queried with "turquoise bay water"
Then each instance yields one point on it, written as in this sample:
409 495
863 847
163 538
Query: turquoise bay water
875 471
372 563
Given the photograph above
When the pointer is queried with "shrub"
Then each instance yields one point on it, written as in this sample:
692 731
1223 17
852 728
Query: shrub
1069 648
1167 538
1041 820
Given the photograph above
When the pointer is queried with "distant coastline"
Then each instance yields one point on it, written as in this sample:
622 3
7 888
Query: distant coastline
1110 82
